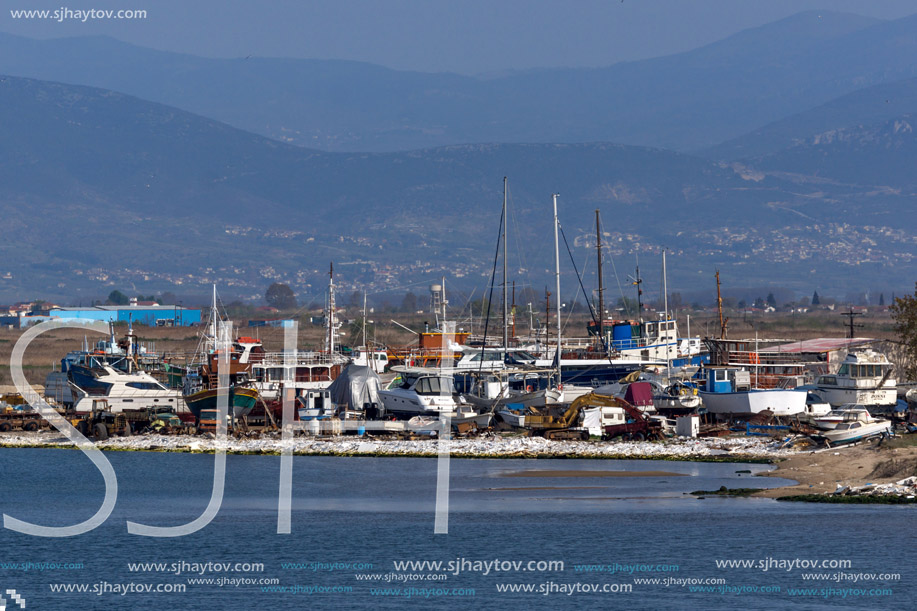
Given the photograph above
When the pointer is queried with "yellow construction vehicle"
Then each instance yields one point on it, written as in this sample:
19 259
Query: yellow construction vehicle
636 424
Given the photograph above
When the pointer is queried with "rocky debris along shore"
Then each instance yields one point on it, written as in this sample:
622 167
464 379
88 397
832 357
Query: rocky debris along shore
906 487
492 446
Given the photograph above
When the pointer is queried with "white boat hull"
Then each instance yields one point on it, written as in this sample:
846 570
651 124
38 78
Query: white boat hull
410 403
864 431
842 396
512 418
780 402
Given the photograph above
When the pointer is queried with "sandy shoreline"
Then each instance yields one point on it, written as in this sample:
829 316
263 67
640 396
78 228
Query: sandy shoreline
816 472
821 471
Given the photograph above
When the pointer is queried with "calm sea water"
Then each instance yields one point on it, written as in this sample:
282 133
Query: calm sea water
359 516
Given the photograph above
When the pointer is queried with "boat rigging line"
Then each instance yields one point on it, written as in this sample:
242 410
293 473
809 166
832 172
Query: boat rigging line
493 275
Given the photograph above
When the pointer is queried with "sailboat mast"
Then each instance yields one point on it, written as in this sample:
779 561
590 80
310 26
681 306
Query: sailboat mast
331 307
665 301
557 284
598 246
547 317
505 338
512 311
719 307
213 315
665 288
638 282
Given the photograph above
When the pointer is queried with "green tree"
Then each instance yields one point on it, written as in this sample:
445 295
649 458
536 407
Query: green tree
771 301
904 312
628 305
118 298
280 296
409 303
815 300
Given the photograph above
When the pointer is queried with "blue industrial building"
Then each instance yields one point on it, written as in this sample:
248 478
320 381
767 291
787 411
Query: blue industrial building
157 315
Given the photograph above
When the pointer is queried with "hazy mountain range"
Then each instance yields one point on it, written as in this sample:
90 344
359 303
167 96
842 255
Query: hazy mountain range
686 101
804 176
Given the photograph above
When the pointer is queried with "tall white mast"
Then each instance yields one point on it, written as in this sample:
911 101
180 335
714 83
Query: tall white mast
444 299
665 301
213 315
505 337
364 320
331 307
557 283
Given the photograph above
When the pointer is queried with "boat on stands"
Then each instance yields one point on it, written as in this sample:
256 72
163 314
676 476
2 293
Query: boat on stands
415 393
201 388
816 407
864 377
728 391
112 370
124 390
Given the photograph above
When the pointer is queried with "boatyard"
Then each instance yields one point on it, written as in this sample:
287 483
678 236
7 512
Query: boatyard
453 305
701 417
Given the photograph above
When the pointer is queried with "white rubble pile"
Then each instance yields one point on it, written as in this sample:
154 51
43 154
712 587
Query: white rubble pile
906 487
481 446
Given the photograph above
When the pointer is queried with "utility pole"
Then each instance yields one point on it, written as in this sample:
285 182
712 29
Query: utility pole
851 315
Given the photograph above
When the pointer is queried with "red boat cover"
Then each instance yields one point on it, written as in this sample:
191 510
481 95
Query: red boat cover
639 394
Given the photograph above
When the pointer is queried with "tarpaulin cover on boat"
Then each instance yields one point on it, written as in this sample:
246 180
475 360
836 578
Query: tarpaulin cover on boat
355 387
639 394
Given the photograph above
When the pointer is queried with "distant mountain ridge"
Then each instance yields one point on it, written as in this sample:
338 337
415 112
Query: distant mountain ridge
864 107
879 155
687 101
102 189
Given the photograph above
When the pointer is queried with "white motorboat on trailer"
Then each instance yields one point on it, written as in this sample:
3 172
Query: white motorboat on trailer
858 430
846 413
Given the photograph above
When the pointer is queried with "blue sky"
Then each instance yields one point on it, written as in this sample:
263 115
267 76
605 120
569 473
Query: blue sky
466 36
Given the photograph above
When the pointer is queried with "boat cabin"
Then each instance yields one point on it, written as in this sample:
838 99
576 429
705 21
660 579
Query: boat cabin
727 380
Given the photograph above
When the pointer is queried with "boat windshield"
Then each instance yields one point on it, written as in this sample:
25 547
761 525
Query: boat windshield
487 356
146 385
433 386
